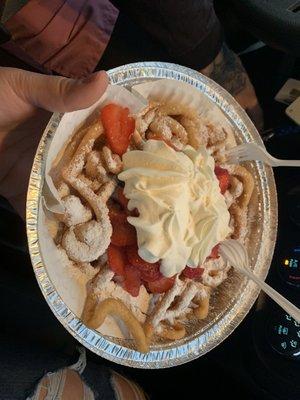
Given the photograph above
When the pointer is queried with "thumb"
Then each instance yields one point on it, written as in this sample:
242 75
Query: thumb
56 93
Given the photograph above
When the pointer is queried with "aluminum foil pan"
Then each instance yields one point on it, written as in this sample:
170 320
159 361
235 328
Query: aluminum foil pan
234 297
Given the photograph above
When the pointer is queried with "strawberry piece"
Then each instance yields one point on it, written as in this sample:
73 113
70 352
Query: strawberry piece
161 285
151 274
118 127
223 176
123 234
134 258
132 282
116 260
121 198
127 123
149 271
192 273
116 215
135 213
214 252
111 120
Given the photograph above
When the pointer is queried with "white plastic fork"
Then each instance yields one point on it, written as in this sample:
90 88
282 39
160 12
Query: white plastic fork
236 254
253 151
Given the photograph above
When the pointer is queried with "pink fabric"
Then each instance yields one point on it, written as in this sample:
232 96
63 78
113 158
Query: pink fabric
68 37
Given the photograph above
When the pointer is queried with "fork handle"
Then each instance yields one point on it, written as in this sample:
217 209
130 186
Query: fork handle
290 308
287 163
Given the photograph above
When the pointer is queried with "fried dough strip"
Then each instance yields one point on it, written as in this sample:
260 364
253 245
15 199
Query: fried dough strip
175 332
158 119
94 166
239 220
196 130
85 147
248 184
177 109
168 127
174 304
113 161
93 317
83 242
238 210
89 307
66 154
201 311
142 122
71 175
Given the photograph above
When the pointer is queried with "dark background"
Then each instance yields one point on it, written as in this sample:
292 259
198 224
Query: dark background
244 365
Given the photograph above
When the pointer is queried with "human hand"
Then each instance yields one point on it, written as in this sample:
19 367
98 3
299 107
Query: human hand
227 70
26 100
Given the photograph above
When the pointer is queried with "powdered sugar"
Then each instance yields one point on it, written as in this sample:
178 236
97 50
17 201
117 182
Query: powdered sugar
215 272
113 161
160 125
82 273
83 243
63 190
75 212
103 287
177 302
106 190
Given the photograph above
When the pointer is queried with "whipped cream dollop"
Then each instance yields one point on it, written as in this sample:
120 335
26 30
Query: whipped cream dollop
182 213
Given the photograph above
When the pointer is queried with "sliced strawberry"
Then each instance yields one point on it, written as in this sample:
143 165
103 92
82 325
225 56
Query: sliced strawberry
111 120
116 260
161 285
134 258
223 176
127 123
149 271
215 252
123 234
135 213
192 273
121 198
116 215
132 282
151 274
118 127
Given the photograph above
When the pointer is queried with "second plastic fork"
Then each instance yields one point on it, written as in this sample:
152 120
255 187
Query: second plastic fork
236 254
255 152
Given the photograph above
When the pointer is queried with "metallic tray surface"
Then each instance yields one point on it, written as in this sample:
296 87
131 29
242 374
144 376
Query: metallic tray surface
235 297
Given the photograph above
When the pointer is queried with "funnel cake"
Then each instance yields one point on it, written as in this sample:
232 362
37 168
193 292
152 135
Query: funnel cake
95 237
